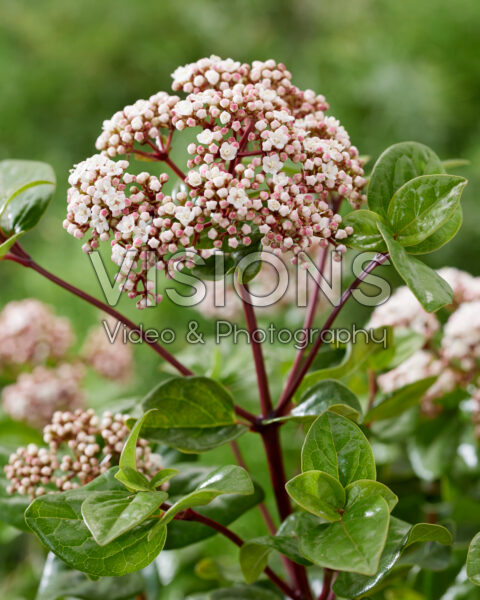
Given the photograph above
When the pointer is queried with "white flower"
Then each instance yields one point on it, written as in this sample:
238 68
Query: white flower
182 74
228 151
184 215
237 197
206 137
127 225
279 138
283 116
272 164
225 117
194 178
273 204
81 213
118 254
184 108
212 77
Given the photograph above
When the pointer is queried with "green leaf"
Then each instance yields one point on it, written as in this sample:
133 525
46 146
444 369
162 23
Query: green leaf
26 188
162 477
400 400
224 510
13 507
224 480
59 581
430 289
186 402
254 554
404 344
355 356
473 560
433 446
397 165
57 520
326 395
440 237
365 232
349 585
318 493
453 163
133 480
354 543
400 537
429 532
128 458
109 514
338 447
194 440
421 206
367 488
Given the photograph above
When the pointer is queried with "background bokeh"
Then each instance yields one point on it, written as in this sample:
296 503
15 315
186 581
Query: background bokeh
391 71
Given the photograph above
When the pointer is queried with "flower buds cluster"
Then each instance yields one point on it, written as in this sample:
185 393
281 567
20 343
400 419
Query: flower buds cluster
267 163
35 396
32 334
81 446
112 360
455 358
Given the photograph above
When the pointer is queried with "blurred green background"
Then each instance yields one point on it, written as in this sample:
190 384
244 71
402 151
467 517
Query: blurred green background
391 71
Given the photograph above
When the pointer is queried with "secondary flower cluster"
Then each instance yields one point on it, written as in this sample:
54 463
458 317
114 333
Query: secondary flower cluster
34 356
266 162
81 446
32 334
36 395
451 350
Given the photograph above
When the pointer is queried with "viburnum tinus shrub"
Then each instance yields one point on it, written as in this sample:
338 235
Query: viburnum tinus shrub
382 497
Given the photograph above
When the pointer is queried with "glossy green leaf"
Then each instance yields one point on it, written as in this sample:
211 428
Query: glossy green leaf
365 231
109 514
326 395
318 493
355 356
133 480
473 560
224 510
128 458
195 440
397 165
430 289
400 400
355 543
224 480
186 402
353 585
338 447
399 540
421 206
162 477
57 520
440 237
59 581
367 488
254 554
26 188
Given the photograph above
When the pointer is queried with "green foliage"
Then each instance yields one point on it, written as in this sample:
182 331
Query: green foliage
26 188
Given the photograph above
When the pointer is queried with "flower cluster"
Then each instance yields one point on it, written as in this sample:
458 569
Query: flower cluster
81 446
35 396
112 360
451 351
266 163
32 334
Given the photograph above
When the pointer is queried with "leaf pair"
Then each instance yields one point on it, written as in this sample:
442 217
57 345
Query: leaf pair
26 188
193 415
338 485
414 209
